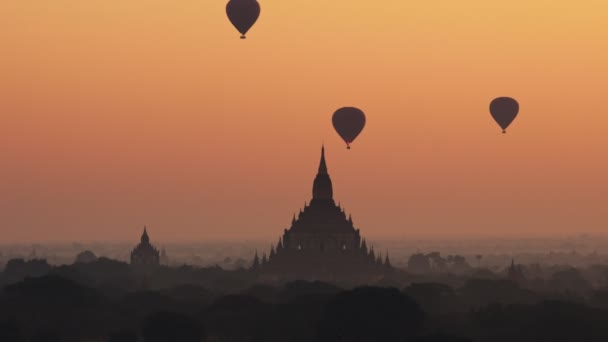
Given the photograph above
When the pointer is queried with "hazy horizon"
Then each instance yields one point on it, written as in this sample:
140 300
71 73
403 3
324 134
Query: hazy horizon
270 239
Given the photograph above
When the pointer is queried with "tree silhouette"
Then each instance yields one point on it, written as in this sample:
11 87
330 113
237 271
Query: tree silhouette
171 327
370 314
434 298
237 318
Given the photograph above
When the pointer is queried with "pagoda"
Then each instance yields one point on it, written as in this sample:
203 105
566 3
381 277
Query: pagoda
322 243
145 254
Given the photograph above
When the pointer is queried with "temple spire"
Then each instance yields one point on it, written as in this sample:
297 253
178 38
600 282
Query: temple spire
264 259
280 244
256 262
322 164
322 188
364 246
144 236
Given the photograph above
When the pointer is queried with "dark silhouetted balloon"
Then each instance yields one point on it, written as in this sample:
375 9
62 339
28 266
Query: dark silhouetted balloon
348 122
243 14
504 110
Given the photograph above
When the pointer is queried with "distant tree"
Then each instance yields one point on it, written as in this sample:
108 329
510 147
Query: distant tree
478 257
20 268
599 298
553 321
190 293
569 280
296 320
301 287
481 292
419 263
598 275
438 264
370 314
484 273
50 291
85 257
459 264
263 292
237 318
240 263
73 310
434 298
172 327
144 303
561 321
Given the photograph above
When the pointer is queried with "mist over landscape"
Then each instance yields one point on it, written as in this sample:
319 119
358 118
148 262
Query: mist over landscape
581 250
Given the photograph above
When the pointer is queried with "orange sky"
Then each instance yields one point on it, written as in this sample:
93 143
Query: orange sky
116 114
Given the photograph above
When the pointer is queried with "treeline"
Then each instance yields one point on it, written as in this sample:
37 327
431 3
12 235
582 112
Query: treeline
108 301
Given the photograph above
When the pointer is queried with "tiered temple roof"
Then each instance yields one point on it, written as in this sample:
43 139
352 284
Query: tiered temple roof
321 242
145 254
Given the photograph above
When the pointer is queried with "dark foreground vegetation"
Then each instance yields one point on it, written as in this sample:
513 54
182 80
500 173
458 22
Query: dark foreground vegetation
107 300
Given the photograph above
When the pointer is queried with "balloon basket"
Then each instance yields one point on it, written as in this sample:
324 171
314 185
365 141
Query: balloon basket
243 37
504 131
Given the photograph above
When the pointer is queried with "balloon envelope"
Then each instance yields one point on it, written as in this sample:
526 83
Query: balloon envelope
348 122
243 14
504 110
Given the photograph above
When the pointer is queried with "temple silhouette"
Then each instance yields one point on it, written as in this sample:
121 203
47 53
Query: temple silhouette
321 243
515 273
145 254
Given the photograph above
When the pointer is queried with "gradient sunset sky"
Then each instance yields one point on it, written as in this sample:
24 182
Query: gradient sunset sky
115 114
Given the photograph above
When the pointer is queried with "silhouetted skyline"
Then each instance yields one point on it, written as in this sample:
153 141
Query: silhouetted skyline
322 242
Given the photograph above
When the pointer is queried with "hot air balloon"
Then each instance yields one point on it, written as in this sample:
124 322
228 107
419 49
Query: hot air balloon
348 122
243 14
504 110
